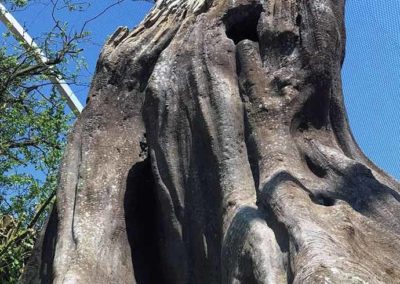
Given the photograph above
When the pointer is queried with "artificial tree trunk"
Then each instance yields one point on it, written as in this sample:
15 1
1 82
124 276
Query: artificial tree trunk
215 148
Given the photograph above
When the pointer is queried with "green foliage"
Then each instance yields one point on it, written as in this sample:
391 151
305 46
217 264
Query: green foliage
33 129
16 242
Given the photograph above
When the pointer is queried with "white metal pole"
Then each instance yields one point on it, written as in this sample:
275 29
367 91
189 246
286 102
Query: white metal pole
21 35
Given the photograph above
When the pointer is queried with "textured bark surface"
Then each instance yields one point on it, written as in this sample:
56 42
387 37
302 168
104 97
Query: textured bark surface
215 148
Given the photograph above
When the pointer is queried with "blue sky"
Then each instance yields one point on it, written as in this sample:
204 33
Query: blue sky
371 72
371 79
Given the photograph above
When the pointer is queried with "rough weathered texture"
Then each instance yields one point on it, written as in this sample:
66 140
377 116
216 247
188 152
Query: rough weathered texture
215 148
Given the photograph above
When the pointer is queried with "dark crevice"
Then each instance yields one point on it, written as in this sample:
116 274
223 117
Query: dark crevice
314 168
252 153
141 217
202 213
78 177
286 42
146 65
263 202
49 247
281 236
316 109
322 199
247 266
358 187
298 125
303 126
298 20
279 228
241 22
280 231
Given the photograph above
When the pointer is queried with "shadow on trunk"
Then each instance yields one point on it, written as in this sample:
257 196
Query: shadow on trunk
141 223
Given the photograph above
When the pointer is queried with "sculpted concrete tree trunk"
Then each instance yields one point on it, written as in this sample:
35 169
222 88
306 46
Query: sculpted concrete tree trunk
215 148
